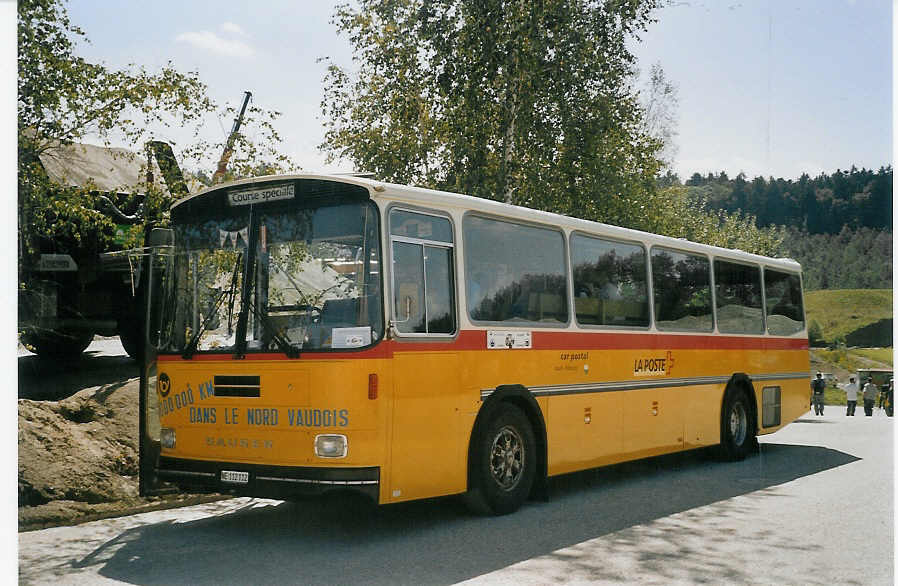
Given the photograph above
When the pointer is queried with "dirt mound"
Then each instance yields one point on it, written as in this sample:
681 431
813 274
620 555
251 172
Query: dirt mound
78 459
81 449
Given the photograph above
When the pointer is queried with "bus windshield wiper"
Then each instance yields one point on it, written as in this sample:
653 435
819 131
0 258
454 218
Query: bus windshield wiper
282 340
230 292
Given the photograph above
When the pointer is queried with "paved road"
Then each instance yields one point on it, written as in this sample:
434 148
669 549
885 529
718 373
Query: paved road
814 507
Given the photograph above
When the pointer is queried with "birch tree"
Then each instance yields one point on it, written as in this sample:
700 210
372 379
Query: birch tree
529 103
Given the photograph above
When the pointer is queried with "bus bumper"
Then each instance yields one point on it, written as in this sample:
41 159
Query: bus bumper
277 482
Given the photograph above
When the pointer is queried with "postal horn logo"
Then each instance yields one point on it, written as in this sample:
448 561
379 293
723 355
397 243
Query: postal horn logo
670 362
163 385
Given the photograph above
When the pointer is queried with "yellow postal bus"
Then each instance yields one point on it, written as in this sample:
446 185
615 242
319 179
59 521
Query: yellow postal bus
317 333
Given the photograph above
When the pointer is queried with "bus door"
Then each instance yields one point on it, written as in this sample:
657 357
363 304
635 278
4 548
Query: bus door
426 458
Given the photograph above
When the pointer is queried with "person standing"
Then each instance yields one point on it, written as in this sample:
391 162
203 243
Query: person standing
890 397
870 393
851 396
818 386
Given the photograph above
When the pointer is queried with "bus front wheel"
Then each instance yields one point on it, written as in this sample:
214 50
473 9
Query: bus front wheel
738 436
505 462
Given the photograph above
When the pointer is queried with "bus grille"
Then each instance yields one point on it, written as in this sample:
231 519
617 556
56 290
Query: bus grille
237 386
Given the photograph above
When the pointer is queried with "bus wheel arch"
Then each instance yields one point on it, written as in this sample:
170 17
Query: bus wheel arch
504 403
738 419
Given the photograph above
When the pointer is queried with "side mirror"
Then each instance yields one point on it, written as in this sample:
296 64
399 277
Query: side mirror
161 237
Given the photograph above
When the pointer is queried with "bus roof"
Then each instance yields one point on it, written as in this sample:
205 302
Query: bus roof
425 197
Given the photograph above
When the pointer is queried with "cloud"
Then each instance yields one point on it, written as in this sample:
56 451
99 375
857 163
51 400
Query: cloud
221 45
230 27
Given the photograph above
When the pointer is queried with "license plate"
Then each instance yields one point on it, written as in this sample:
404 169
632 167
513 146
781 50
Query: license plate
233 476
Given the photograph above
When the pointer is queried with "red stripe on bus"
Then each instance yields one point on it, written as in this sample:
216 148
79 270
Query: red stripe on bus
469 340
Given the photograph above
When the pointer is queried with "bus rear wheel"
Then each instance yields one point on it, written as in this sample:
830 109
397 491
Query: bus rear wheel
738 436
505 462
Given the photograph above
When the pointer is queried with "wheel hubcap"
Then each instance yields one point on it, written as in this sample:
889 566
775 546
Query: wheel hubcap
507 458
738 424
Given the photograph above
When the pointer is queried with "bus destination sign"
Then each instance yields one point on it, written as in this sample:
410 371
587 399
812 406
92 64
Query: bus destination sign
242 198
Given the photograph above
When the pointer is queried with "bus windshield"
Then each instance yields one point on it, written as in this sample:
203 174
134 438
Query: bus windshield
274 279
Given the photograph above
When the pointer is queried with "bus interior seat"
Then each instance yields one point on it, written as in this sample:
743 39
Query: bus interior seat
340 311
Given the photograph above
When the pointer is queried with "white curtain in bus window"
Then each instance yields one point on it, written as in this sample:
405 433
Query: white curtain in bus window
514 272
737 289
785 312
609 282
423 280
682 291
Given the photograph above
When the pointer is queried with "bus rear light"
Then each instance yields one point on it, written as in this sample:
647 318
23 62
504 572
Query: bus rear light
372 386
167 437
331 445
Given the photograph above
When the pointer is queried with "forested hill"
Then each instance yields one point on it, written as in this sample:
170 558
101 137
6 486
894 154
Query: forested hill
851 259
819 205
838 226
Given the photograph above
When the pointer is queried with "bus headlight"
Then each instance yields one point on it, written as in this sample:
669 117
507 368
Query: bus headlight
167 437
331 445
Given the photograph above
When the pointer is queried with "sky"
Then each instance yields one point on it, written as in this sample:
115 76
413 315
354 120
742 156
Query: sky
777 87
766 87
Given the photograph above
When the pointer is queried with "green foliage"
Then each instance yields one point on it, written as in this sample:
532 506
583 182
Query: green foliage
825 204
63 99
855 358
815 333
840 313
881 355
255 148
838 356
837 226
674 212
838 341
851 259
530 104
525 103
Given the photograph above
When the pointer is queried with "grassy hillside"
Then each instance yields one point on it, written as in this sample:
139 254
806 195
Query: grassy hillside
850 360
862 316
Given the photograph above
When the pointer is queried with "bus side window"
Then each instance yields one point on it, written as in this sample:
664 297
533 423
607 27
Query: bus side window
423 277
738 297
514 272
681 284
610 282
785 313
